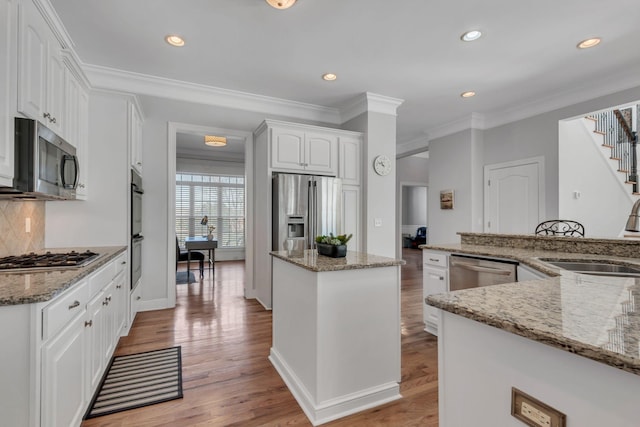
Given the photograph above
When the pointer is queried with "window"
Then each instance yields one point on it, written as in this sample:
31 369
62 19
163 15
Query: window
220 198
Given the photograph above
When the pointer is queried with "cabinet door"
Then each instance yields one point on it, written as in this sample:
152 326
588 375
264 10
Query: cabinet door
110 340
349 160
434 282
32 49
135 137
287 149
95 341
82 144
351 215
7 40
321 153
64 377
120 295
55 92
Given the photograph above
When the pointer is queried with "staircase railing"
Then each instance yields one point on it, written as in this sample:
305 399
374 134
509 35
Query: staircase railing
616 127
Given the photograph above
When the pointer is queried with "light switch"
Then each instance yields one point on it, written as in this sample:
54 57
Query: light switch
377 222
27 225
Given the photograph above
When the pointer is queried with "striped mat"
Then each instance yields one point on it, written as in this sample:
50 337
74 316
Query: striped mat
139 380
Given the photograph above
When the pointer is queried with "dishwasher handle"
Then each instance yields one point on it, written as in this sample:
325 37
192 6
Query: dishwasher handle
479 269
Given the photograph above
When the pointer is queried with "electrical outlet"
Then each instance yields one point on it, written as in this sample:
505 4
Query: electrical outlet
27 225
533 412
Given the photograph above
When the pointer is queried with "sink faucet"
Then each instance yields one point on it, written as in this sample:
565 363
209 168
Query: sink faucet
633 223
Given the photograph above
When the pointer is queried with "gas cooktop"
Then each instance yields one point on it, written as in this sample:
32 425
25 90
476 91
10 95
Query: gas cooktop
48 260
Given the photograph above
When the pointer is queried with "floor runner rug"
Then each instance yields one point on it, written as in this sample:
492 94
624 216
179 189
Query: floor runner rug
138 380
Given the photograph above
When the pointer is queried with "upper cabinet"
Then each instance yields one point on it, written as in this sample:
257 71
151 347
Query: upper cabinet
8 34
135 136
41 72
77 129
300 150
349 159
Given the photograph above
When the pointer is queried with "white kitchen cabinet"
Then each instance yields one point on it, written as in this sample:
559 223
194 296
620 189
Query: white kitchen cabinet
295 149
349 160
135 298
121 296
435 280
64 381
95 325
351 215
41 74
82 145
135 136
8 35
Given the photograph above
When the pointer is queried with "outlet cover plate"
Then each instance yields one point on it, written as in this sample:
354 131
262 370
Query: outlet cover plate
533 412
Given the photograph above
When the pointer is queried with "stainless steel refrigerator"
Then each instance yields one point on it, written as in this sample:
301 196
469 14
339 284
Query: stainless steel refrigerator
304 206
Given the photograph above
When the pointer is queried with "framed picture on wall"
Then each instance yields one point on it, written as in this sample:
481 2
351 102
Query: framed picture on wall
446 199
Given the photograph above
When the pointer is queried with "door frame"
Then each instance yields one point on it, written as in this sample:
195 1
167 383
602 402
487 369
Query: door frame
539 161
401 185
172 129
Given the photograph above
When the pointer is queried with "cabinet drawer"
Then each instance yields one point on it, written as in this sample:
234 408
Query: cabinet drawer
64 308
120 263
102 278
435 258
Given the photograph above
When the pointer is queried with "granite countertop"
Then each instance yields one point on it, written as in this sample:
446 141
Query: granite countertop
593 316
40 286
310 260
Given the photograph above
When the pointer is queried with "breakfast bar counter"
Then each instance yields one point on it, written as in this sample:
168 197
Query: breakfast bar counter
336 331
571 340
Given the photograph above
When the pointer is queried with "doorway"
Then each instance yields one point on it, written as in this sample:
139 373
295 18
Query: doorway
412 213
183 130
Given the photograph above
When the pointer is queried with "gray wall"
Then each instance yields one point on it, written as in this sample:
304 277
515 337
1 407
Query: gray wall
414 205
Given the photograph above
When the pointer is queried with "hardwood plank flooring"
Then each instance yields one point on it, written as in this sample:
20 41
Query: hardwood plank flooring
227 378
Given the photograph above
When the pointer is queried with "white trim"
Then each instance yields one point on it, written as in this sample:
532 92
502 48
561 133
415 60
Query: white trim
144 84
156 304
172 129
539 161
472 121
54 22
369 102
412 147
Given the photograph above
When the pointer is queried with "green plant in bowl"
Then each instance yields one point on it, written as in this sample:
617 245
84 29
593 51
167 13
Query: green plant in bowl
338 240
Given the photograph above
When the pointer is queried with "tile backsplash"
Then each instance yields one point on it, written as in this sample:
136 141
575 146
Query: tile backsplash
14 239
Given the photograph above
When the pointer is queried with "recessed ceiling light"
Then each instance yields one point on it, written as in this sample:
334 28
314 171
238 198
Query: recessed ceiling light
215 141
470 36
468 94
281 4
586 44
329 77
174 40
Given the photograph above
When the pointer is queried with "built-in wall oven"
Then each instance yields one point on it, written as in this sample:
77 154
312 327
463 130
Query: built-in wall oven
136 228
467 271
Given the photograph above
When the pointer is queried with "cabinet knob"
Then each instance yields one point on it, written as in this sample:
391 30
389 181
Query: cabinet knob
105 302
47 116
52 120
81 185
118 286
138 297
89 323
441 278
74 305
123 262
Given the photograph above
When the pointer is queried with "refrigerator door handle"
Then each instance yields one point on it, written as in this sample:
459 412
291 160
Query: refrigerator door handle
315 215
310 208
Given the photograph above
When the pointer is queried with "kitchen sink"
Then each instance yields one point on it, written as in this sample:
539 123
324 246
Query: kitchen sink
596 267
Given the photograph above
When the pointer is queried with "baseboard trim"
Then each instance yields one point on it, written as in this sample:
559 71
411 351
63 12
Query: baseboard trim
335 408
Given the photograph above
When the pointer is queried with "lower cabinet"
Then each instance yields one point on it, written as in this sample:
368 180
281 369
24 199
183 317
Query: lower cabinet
74 359
64 381
435 280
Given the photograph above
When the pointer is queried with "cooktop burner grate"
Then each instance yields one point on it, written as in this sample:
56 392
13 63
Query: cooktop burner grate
32 260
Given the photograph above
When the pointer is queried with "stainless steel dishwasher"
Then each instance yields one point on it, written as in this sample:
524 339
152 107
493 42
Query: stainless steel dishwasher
472 272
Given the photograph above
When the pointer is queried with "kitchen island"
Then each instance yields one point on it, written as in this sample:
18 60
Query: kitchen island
336 331
570 341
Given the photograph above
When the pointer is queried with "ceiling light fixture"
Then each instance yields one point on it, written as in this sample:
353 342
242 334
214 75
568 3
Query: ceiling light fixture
586 44
174 40
470 36
468 94
281 4
329 77
215 141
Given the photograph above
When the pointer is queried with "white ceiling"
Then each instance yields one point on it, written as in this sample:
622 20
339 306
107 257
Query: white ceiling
407 49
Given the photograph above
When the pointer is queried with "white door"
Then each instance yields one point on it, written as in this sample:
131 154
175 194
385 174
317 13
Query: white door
514 196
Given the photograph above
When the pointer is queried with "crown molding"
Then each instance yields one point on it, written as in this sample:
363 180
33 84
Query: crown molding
55 23
473 121
412 147
369 102
144 84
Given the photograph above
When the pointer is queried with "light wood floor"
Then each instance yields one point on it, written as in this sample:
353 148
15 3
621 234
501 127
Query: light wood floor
227 378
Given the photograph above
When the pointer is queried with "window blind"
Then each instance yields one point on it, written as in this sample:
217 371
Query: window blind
220 198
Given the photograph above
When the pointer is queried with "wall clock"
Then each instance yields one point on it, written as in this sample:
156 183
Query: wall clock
382 165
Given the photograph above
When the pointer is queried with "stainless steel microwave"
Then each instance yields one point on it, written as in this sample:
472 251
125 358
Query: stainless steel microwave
46 166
